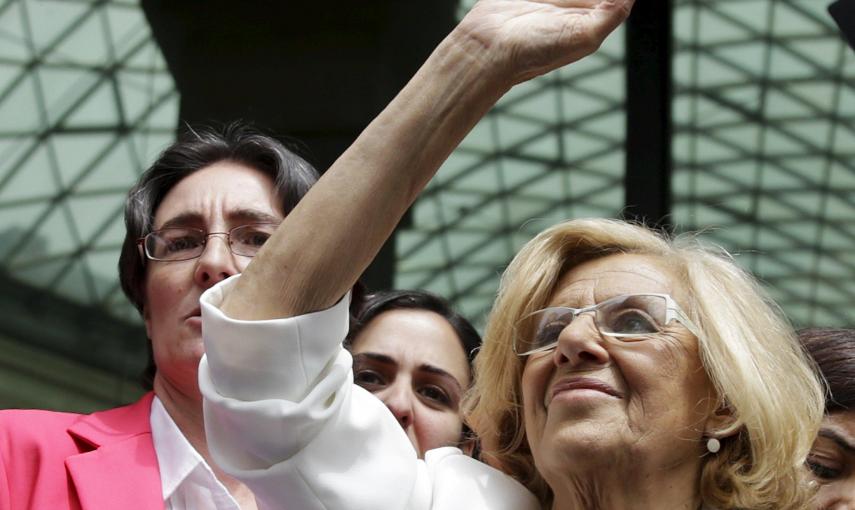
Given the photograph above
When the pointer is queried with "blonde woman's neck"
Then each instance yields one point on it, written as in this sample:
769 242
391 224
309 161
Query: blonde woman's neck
641 488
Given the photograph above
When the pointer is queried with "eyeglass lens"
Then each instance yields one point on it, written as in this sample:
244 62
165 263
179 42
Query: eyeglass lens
623 316
186 243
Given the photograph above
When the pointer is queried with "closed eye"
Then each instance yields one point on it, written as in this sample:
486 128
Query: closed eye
822 471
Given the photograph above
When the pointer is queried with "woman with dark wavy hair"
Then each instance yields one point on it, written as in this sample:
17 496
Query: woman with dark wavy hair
414 352
195 217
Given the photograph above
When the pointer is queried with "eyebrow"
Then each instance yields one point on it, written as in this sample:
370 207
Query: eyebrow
838 438
252 215
441 373
373 356
424 367
237 215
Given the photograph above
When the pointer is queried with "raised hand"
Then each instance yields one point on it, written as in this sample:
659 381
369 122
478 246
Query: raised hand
516 40
323 246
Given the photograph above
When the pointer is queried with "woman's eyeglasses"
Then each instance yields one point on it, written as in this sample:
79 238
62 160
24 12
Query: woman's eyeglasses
628 317
184 243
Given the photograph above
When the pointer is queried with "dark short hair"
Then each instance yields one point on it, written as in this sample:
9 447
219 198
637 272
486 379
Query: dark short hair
833 350
197 148
385 301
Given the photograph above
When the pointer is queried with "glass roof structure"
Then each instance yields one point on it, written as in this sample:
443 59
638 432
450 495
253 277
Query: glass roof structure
86 102
763 150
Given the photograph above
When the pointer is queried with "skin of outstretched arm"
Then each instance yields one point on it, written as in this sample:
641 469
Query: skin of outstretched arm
327 241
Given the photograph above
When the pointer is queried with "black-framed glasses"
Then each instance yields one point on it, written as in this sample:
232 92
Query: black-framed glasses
627 317
185 243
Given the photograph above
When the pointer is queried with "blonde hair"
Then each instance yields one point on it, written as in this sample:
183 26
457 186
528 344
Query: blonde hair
747 347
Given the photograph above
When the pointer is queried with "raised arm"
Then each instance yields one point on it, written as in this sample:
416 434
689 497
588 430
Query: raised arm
281 413
323 246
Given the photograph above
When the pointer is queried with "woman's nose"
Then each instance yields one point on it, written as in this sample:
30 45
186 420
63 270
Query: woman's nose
580 343
216 262
399 399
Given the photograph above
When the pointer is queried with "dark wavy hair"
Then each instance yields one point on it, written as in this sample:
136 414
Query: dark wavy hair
368 307
833 351
377 303
197 148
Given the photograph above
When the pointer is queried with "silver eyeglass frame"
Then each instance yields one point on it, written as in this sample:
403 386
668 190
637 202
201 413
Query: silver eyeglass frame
144 251
672 312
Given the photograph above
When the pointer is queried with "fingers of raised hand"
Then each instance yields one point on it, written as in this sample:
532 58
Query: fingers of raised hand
530 37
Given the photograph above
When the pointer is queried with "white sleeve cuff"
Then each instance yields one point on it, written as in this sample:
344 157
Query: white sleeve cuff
246 358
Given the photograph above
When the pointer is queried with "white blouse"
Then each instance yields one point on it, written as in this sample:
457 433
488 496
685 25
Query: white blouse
187 481
283 416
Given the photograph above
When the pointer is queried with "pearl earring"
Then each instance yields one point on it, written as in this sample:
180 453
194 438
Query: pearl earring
713 445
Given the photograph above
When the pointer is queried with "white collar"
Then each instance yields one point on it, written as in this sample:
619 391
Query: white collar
176 457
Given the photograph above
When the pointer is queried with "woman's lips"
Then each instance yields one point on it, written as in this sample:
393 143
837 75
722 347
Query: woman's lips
197 312
194 318
583 383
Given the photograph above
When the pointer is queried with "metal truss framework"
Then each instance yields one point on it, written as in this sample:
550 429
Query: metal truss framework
763 152
85 102
765 146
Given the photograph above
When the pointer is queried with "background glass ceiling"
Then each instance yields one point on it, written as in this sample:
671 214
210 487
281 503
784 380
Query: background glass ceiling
86 103
764 152
764 159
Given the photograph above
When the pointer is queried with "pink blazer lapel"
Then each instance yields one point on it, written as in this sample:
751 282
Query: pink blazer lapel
121 471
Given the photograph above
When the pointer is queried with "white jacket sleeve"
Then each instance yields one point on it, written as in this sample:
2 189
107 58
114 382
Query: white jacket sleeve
283 416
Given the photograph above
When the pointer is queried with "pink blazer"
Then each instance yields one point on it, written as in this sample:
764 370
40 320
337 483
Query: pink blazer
52 460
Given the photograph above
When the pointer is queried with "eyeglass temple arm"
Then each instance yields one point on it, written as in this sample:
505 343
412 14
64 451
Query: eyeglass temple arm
676 313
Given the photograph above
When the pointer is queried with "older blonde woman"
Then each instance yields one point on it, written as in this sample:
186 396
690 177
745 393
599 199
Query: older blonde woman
644 401
644 385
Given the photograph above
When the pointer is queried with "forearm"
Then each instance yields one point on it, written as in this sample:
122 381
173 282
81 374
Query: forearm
328 240
323 246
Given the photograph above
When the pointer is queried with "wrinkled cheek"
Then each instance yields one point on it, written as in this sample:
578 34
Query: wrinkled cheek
534 411
535 374
670 360
642 416
664 382
533 432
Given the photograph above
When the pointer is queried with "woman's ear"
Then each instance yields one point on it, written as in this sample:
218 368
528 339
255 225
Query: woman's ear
721 423
470 447
469 443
